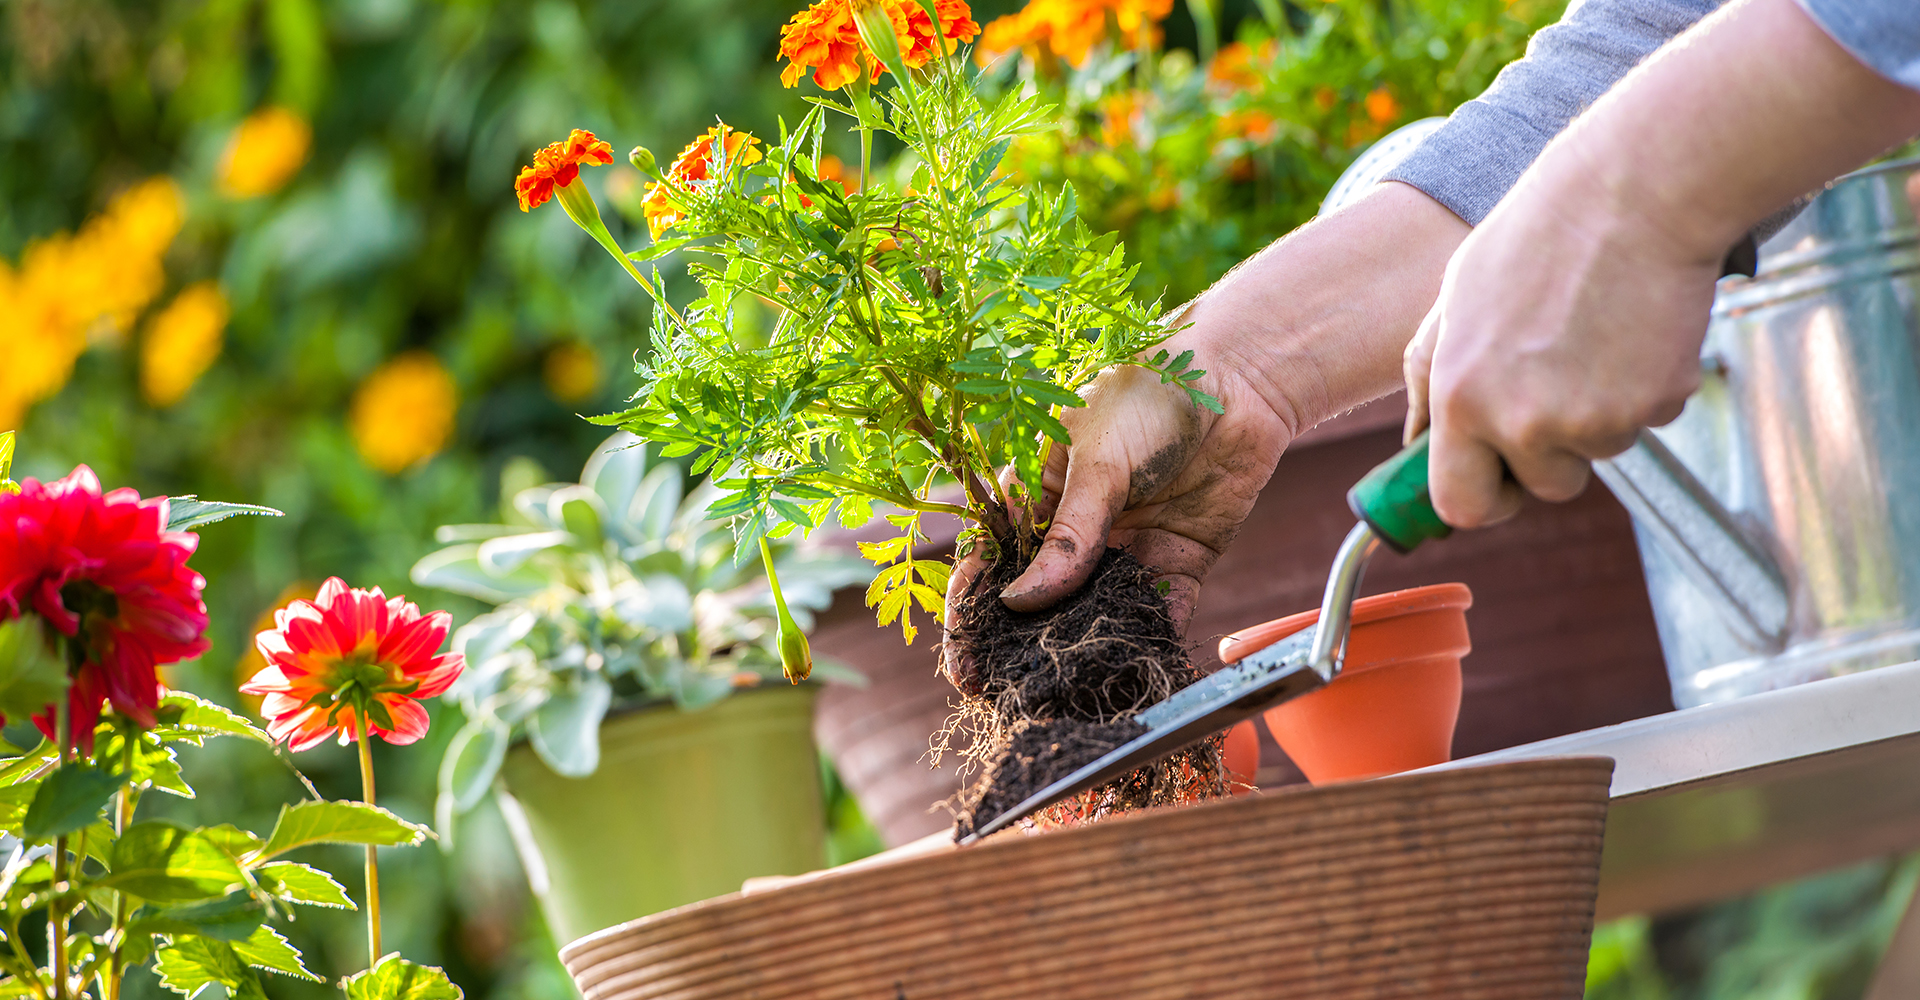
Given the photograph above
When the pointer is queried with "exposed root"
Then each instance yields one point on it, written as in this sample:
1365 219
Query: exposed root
1055 690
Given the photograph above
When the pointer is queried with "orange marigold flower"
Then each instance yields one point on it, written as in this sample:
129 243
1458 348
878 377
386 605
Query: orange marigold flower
1071 28
557 166
694 166
1381 107
825 38
1234 66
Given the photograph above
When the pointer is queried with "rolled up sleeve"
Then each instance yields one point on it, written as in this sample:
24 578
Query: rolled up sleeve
1470 163
1883 34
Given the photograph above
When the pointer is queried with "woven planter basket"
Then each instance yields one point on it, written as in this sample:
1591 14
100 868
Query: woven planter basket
1471 884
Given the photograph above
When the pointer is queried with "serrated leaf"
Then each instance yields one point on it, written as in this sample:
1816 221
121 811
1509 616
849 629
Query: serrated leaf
397 979
298 883
233 917
14 800
191 964
199 716
267 949
166 862
305 823
189 511
883 552
236 842
70 798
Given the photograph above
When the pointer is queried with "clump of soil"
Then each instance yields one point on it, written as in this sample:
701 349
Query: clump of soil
1047 692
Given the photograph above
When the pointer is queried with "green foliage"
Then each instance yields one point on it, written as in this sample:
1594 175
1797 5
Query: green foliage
119 892
32 675
188 512
1199 164
306 823
616 589
396 979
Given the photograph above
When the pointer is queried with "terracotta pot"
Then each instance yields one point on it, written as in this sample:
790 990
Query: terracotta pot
1242 756
1468 884
1394 705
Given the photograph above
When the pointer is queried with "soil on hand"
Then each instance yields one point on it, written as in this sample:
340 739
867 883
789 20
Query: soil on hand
1051 691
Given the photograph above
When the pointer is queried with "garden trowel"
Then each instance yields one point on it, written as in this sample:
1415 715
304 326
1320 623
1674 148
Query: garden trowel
1393 508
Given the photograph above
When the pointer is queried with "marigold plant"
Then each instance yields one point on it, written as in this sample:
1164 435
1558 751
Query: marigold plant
403 413
927 331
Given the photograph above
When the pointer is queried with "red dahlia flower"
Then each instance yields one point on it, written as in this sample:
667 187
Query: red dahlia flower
103 570
348 652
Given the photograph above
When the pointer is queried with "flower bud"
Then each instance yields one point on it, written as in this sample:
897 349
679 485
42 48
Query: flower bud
642 159
875 22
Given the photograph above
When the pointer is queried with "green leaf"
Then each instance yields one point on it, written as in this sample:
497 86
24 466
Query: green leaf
565 731
472 760
191 964
189 511
32 673
69 799
298 883
397 979
14 800
267 949
181 713
457 569
233 917
166 862
236 842
307 823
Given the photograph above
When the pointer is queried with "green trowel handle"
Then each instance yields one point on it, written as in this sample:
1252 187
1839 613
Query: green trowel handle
1394 501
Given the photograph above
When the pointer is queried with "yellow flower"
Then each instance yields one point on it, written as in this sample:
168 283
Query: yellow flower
182 343
71 289
264 152
571 372
403 413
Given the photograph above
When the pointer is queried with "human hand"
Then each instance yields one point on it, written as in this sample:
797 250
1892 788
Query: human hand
1312 326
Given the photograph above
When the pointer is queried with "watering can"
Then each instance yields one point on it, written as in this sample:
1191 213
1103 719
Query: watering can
1774 517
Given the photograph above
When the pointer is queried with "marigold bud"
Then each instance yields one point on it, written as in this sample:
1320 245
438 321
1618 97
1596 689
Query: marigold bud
874 20
642 159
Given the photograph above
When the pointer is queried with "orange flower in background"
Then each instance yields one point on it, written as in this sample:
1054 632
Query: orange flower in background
1380 105
694 166
1117 112
1233 67
348 652
832 169
557 166
824 38
182 342
403 413
571 372
264 152
1071 28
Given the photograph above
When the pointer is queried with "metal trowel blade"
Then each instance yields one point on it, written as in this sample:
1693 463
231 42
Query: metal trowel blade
1234 692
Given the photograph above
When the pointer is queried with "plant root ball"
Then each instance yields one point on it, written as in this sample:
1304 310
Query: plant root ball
1054 690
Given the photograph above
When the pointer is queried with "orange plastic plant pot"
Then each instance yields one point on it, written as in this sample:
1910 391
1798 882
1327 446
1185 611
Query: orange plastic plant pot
1395 703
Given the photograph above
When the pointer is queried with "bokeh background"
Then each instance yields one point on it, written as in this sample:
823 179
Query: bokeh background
267 251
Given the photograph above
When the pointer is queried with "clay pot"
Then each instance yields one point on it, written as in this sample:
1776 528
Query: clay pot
1394 705
1471 883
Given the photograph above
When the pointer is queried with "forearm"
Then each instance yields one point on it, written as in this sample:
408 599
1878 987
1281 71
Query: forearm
1673 148
1317 322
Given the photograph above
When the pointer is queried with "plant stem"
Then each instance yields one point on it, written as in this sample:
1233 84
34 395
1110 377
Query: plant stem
373 860
57 926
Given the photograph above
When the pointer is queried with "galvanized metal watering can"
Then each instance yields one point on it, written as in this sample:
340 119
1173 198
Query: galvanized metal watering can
1776 519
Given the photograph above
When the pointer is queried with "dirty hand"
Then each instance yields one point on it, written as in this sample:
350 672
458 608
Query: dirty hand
1313 325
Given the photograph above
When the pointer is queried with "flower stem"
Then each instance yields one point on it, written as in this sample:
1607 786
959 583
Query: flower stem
373 862
57 927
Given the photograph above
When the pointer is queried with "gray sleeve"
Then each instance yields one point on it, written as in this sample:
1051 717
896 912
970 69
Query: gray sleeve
1486 145
1882 34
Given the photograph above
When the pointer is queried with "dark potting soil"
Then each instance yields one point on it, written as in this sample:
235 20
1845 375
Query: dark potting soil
1047 692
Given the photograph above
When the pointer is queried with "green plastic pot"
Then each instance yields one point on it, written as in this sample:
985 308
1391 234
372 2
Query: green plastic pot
684 806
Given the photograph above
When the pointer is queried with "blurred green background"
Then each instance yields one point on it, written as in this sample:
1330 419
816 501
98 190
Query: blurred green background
355 324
